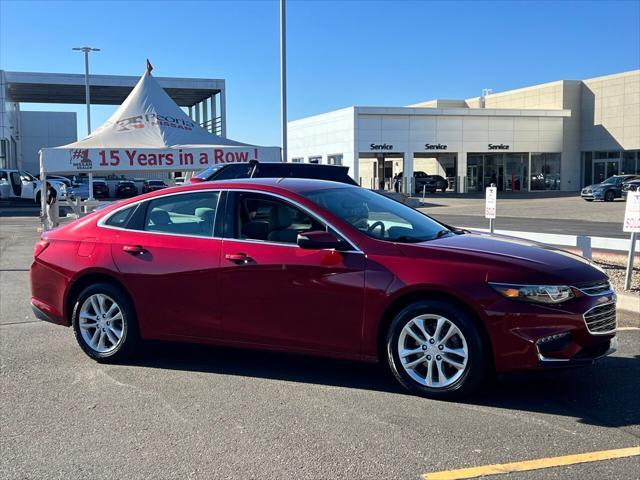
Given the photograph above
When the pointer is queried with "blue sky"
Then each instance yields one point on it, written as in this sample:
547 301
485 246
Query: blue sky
340 53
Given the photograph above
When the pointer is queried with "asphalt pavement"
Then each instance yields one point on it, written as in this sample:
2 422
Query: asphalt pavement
183 411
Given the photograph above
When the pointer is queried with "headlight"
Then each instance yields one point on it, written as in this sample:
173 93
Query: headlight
549 294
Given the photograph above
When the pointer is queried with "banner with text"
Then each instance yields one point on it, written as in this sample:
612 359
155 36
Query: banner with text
72 160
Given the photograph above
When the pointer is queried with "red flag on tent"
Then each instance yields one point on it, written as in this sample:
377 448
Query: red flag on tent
149 66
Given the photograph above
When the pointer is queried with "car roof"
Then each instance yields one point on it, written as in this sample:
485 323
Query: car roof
295 185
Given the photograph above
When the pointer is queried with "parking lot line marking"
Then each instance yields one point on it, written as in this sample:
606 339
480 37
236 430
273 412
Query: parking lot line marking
623 329
548 462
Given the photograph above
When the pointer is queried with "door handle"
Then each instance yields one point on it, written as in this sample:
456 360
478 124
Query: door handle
238 257
134 249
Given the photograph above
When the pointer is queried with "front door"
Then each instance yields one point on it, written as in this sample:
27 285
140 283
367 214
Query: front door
28 185
169 260
279 294
16 184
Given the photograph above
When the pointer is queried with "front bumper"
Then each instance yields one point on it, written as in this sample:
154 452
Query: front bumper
587 357
592 195
527 336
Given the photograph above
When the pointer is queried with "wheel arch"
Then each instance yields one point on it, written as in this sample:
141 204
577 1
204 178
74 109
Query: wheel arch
86 279
408 298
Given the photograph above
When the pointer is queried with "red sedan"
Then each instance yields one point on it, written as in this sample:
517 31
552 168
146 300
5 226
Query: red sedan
320 268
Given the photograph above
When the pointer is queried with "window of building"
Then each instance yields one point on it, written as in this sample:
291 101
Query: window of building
185 214
545 171
631 163
316 159
587 168
297 160
334 159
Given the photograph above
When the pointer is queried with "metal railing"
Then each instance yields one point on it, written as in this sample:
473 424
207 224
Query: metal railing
213 125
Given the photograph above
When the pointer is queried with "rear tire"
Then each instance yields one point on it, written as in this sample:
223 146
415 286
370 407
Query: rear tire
435 349
105 324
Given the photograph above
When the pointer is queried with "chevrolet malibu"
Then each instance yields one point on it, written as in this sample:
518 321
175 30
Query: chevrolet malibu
321 268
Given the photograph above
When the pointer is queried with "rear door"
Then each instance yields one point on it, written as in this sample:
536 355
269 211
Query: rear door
169 257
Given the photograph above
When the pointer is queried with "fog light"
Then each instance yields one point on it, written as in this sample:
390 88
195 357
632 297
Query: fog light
554 343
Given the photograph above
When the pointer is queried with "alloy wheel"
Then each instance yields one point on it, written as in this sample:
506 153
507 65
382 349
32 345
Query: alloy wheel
433 351
101 323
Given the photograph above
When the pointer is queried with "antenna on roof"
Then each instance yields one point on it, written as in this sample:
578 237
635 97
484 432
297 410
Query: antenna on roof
149 67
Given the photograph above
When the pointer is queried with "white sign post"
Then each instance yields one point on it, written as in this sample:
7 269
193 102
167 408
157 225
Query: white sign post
631 224
490 205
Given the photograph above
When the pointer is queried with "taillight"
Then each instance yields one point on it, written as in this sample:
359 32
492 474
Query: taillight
40 247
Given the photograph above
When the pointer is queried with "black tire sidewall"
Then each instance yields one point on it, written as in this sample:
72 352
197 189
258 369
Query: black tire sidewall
130 334
477 361
609 196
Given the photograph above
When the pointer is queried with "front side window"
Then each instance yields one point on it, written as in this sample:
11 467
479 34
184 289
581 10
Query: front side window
378 216
27 177
185 214
266 218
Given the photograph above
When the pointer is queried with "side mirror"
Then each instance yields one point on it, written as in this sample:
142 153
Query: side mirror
319 240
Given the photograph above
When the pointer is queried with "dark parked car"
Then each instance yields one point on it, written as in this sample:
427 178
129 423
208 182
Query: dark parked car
630 186
125 189
608 190
424 181
100 189
314 267
153 185
253 169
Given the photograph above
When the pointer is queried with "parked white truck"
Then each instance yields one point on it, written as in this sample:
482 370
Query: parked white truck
18 184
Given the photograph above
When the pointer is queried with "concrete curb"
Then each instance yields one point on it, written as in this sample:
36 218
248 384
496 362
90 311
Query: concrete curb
628 302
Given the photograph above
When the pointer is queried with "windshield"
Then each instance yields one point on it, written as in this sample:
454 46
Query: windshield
612 180
378 216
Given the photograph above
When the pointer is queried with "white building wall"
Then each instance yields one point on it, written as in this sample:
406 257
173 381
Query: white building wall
43 129
323 135
611 112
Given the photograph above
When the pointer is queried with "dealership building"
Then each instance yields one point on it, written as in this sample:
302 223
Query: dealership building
555 136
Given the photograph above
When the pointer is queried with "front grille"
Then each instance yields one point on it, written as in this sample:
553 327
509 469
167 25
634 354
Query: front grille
596 288
586 191
601 319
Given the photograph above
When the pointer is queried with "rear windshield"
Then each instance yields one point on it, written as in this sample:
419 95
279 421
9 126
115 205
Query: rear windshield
293 170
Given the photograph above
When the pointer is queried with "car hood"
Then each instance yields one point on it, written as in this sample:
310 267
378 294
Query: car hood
600 185
509 259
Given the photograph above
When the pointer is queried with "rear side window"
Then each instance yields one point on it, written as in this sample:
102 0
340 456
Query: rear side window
185 214
120 219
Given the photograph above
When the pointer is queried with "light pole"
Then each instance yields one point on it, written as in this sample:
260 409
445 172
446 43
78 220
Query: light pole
283 76
87 95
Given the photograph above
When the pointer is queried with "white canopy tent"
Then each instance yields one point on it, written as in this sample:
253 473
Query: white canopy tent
148 132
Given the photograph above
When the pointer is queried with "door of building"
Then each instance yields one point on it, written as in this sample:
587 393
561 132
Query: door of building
603 169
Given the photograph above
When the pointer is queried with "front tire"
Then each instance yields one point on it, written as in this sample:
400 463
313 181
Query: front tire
435 349
105 324
609 196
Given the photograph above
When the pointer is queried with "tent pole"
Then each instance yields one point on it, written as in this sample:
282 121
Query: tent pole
90 186
44 220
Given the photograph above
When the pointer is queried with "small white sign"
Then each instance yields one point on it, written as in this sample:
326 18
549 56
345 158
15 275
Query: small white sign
490 205
632 213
